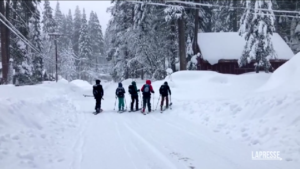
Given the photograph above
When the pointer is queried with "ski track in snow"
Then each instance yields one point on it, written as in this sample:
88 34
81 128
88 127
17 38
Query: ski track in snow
155 141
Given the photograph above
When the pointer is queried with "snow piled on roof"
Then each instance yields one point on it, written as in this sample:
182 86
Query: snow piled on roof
229 45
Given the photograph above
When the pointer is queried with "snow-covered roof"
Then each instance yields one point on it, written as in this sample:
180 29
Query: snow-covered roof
229 45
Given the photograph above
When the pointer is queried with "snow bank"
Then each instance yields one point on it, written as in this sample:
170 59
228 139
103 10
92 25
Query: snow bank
208 84
34 125
82 84
231 105
286 77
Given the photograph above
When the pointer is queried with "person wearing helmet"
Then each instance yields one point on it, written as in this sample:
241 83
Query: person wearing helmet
147 90
98 95
164 90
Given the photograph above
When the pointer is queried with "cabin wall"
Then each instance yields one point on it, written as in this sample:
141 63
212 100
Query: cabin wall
232 67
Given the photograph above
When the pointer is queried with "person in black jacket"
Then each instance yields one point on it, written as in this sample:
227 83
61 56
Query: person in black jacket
98 95
164 91
132 89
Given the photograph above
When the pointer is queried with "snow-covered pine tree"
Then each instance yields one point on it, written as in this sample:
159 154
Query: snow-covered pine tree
178 13
225 17
60 27
285 26
67 64
76 31
97 42
69 28
119 31
35 39
48 20
23 11
85 50
48 27
257 26
75 37
295 35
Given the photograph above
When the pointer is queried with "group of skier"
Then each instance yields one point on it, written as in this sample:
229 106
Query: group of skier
146 90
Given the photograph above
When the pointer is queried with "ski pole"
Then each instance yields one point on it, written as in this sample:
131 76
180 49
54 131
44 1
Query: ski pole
157 102
125 103
141 100
115 103
90 96
170 104
153 99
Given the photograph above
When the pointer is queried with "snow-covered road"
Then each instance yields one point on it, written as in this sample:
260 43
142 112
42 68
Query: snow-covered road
52 126
111 140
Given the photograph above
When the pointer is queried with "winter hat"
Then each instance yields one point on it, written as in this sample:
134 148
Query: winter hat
120 84
148 82
98 81
166 83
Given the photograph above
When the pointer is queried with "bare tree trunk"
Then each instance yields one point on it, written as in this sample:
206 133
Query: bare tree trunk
142 74
7 31
3 46
235 17
173 49
182 43
195 40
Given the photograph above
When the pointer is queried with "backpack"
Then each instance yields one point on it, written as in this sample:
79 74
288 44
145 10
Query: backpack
162 89
130 89
119 91
95 91
146 89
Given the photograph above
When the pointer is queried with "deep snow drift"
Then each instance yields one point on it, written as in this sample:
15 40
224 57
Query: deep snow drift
216 121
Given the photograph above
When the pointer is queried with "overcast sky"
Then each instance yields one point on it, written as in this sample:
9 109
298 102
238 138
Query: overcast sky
97 6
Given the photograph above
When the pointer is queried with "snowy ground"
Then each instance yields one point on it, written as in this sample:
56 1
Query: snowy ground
216 122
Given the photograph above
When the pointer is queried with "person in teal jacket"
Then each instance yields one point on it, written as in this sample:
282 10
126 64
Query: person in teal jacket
120 93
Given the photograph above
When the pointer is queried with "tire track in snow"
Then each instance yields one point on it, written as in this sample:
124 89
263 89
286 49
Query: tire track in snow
196 136
168 150
79 145
199 139
152 148
124 146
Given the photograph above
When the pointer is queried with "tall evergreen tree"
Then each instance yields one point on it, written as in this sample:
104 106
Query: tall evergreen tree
67 66
85 51
97 41
60 27
35 39
75 38
258 26
69 28
76 31
48 27
118 50
48 20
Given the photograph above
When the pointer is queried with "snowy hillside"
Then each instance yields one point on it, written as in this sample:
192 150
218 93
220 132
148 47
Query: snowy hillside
216 122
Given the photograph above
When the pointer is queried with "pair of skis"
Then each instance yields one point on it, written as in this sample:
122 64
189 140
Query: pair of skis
170 107
95 113
122 111
135 110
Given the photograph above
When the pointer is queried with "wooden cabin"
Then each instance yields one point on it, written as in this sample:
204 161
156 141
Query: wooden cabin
221 51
